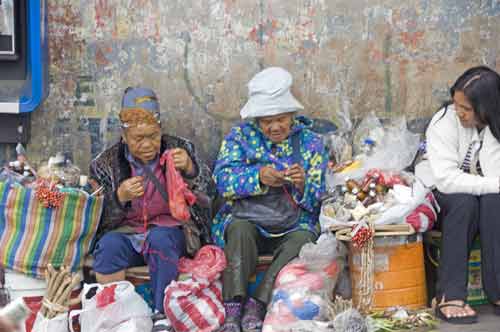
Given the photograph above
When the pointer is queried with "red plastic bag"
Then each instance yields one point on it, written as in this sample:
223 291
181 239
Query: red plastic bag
425 215
208 263
179 195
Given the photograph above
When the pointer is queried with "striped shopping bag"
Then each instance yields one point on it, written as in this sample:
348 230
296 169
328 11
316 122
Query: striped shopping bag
194 305
32 236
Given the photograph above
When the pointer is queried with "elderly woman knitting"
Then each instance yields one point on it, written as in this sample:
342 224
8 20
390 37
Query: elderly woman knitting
270 170
137 227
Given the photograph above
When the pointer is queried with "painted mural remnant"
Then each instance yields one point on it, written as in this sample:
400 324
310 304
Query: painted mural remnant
382 55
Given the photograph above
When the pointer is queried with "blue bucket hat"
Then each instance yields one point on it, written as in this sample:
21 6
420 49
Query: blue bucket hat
141 98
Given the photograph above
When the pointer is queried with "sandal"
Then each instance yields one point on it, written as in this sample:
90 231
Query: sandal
457 319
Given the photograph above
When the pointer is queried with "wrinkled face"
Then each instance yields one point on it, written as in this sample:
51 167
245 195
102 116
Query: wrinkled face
276 127
143 141
464 110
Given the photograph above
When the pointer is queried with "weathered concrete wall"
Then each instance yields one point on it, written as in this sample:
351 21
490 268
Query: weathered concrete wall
390 56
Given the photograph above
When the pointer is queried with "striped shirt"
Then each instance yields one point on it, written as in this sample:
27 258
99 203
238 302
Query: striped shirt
471 162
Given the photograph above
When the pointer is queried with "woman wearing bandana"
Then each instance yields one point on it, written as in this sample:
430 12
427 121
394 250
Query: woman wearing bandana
137 227
463 159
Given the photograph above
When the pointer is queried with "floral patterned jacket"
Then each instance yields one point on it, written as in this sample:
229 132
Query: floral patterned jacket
246 149
111 168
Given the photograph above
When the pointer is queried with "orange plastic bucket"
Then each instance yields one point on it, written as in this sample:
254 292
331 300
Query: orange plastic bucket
399 278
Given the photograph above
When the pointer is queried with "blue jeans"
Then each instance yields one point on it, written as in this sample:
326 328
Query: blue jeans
161 251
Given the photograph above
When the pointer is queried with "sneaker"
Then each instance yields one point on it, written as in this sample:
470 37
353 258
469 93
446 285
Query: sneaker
233 317
254 312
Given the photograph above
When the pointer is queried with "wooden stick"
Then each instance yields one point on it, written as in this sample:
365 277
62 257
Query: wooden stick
63 299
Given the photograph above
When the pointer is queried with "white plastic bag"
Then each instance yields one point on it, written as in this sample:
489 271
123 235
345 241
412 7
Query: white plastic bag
116 307
304 286
56 324
369 129
393 150
406 200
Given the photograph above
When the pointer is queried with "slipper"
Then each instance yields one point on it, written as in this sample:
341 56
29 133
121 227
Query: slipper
454 320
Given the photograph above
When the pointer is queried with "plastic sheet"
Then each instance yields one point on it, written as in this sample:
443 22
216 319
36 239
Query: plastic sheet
304 286
339 144
392 149
368 134
60 171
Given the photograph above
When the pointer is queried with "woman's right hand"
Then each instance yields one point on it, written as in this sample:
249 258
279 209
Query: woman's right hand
130 189
271 177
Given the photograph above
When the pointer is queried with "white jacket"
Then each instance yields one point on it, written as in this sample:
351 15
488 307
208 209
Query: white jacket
447 145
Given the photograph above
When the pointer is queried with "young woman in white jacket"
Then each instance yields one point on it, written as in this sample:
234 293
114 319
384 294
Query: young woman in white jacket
463 165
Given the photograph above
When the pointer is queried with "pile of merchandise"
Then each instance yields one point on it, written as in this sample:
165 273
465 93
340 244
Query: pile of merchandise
367 183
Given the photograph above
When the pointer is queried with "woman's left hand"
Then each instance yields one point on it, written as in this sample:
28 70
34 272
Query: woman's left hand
182 161
298 176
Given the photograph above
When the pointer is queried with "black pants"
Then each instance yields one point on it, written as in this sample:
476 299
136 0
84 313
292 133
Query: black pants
462 217
243 244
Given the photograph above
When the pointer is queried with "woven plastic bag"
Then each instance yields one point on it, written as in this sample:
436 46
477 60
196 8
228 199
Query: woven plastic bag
179 195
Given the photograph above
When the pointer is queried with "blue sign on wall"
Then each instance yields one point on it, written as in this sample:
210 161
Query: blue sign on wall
24 61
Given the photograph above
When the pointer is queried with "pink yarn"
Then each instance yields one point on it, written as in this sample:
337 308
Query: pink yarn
208 263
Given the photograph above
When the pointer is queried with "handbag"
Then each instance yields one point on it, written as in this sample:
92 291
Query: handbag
274 211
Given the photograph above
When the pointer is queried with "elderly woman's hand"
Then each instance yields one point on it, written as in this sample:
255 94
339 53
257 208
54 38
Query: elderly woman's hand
182 161
271 177
298 176
130 189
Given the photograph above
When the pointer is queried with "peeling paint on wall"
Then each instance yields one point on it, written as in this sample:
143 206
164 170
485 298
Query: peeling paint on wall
392 57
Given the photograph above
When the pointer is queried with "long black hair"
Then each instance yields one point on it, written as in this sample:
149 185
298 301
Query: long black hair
481 86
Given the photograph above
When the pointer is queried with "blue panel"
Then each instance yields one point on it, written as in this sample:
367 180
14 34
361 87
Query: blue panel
36 88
